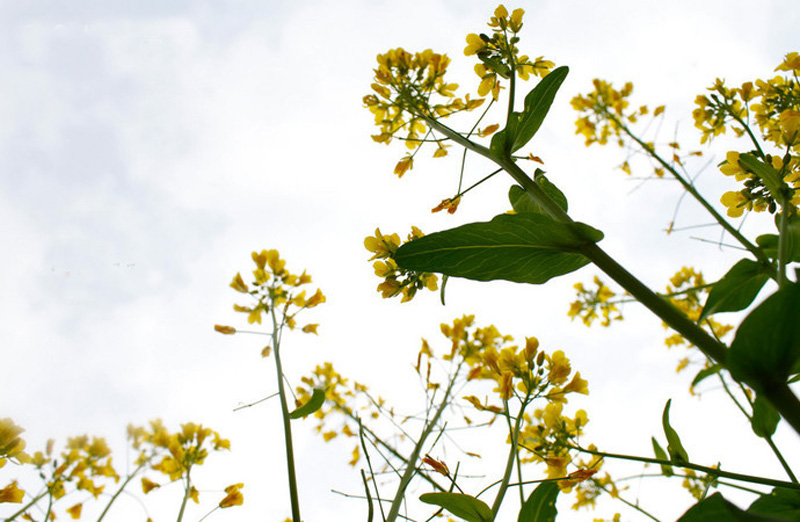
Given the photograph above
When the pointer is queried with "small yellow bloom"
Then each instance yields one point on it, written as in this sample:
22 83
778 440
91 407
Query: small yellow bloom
559 368
239 285
577 385
148 485
227 330
735 202
75 511
474 44
12 494
310 328
234 496
404 165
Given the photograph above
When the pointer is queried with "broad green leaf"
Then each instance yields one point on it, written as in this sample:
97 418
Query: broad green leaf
469 508
522 202
704 373
522 126
311 405
767 343
662 455
767 173
541 505
765 417
674 447
782 503
523 248
736 290
715 508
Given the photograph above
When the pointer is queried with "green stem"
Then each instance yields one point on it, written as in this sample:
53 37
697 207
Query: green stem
783 243
512 454
778 393
119 491
287 428
186 493
411 463
749 418
715 472
629 504
387 447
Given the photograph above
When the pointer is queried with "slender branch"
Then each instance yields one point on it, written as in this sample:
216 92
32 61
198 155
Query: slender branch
688 187
512 454
411 466
715 472
187 491
287 428
27 506
119 491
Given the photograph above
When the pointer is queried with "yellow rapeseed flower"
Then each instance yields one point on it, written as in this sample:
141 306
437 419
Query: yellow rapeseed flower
233 496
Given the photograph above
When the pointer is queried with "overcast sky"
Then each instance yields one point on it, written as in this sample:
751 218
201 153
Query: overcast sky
146 148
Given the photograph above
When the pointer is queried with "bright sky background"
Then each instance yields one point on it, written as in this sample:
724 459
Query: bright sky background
146 149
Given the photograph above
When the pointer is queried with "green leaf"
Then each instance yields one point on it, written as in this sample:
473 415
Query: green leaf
769 242
767 344
782 503
313 404
674 447
767 173
765 418
715 508
464 506
522 126
541 505
662 455
706 372
736 290
522 202
537 105
523 248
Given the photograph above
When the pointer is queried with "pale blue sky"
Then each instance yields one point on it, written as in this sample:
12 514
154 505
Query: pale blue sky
147 148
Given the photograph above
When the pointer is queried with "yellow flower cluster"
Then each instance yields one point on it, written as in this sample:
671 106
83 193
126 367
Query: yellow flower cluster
176 454
403 89
85 464
524 373
755 195
352 402
589 301
499 55
396 280
275 290
770 108
605 110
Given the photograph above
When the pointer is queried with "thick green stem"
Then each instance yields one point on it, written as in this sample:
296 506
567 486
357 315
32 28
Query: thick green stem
778 393
783 241
411 463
